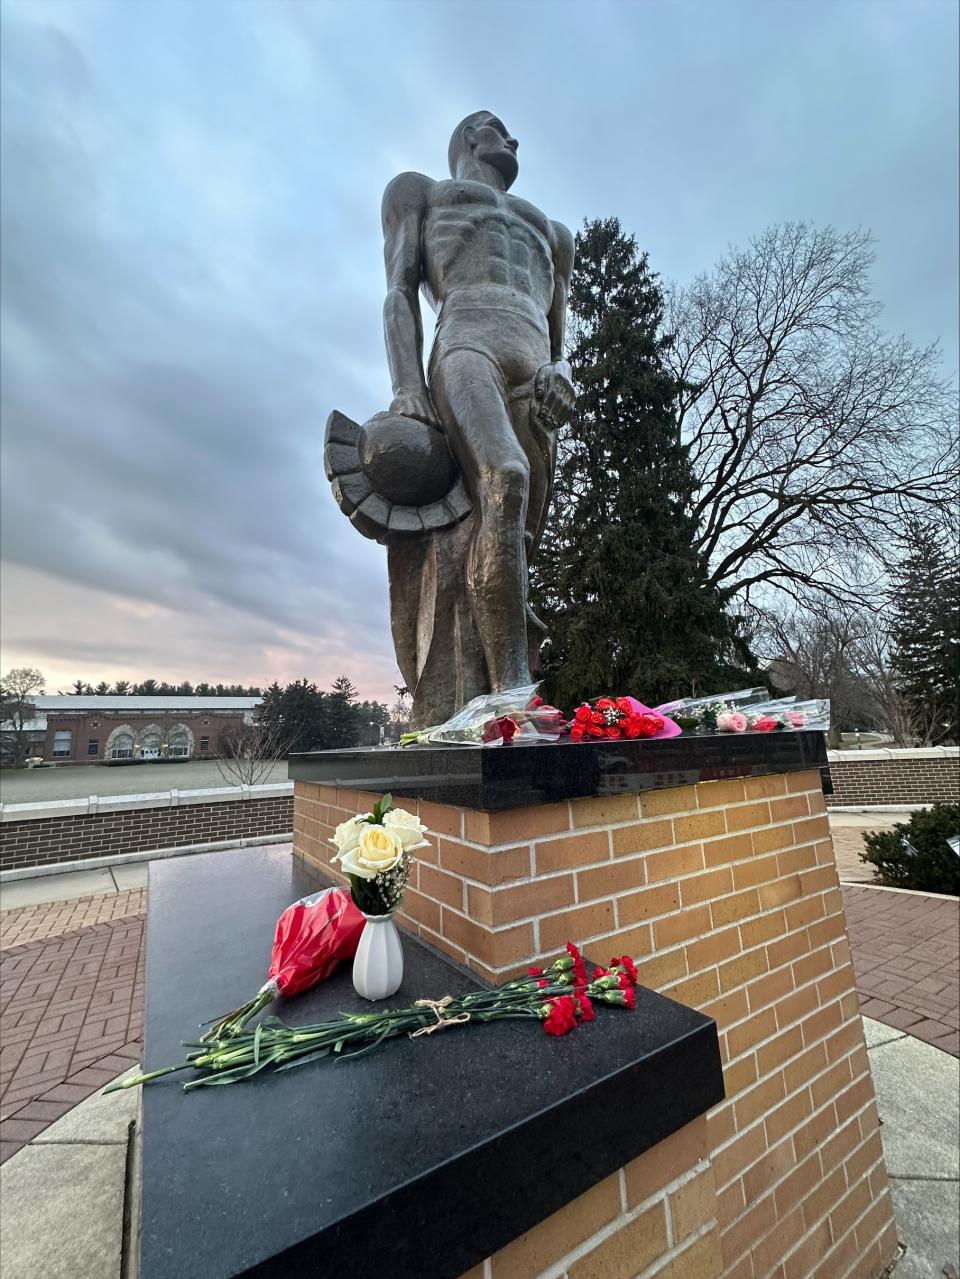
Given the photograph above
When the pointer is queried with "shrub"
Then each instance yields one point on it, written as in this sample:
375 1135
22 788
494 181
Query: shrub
933 866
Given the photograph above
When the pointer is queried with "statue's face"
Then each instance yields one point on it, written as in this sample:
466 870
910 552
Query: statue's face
492 144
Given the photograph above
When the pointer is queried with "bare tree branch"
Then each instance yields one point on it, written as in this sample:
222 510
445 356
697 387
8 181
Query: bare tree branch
813 435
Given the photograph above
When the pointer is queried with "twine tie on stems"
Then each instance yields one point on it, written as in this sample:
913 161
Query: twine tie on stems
437 1007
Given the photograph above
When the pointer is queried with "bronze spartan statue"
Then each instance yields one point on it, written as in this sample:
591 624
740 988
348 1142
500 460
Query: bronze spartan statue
455 477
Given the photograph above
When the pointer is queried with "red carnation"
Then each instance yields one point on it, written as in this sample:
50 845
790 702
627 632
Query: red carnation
579 969
629 967
535 972
561 1017
586 1008
629 998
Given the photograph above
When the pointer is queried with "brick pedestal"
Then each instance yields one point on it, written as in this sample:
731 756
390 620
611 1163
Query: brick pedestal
726 893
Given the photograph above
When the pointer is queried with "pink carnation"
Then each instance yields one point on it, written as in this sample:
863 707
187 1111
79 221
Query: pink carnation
731 722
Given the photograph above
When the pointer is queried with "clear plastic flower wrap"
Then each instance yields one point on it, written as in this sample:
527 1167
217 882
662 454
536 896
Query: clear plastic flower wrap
749 710
495 719
791 714
688 706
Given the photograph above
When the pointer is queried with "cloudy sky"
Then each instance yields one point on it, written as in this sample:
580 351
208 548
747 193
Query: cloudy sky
192 274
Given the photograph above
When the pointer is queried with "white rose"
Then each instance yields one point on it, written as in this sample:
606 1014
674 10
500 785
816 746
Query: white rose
347 834
378 850
407 828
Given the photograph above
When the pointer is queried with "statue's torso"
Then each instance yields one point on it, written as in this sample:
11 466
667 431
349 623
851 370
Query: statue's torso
487 248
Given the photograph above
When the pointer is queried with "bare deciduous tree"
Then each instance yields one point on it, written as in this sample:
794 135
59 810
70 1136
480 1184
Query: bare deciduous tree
812 433
248 752
845 654
16 710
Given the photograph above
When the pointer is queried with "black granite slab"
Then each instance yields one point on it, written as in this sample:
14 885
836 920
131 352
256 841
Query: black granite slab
412 1162
517 776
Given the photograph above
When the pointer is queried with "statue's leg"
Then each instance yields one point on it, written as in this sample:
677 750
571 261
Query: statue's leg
470 396
540 447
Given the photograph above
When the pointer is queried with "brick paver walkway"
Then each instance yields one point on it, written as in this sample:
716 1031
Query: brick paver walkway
71 1012
51 919
906 953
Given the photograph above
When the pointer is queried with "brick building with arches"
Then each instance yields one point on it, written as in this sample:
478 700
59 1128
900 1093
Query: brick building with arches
69 729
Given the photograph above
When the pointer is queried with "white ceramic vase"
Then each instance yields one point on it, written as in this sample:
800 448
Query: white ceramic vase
378 963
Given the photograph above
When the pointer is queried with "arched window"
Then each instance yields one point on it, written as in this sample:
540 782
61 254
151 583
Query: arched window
150 744
179 742
122 746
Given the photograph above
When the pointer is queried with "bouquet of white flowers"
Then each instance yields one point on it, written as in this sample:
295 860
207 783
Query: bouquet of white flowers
373 850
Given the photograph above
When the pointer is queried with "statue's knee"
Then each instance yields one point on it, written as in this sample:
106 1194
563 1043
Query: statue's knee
505 489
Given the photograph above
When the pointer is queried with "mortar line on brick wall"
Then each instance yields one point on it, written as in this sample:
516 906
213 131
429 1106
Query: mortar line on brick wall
676 1251
848 1189
851 1230
770 973
770 1193
789 1135
610 827
781 1066
671 914
556 1268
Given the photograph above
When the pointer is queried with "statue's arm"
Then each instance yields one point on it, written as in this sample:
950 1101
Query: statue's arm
562 270
403 212
553 387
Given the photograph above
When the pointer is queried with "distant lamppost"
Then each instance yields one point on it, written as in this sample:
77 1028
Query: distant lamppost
374 724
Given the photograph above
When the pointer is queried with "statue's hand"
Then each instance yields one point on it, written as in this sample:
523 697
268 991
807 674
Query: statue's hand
416 403
554 393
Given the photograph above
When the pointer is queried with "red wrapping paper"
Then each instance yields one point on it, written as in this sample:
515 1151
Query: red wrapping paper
313 936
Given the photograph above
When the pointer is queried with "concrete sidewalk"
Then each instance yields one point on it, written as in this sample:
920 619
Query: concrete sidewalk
918 1096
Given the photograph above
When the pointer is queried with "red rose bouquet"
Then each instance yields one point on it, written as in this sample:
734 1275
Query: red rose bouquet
614 718
313 935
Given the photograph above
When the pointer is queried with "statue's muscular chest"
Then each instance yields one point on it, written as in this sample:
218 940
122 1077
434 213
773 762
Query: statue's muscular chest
469 220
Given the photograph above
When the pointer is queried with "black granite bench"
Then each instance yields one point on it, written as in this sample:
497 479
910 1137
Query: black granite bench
415 1161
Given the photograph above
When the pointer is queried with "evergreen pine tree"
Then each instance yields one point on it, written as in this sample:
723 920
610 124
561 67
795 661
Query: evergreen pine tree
618 583
297 714
926 631
342 718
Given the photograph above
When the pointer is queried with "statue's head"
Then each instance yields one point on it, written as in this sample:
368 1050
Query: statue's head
483 137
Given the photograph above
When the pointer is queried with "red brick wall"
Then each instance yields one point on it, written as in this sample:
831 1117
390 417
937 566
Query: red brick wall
47 840
727 895
894 777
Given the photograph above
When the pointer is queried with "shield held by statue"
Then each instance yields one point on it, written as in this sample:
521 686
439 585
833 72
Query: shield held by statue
396 480
393 476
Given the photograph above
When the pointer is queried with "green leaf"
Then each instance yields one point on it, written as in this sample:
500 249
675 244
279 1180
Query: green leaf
302 1061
